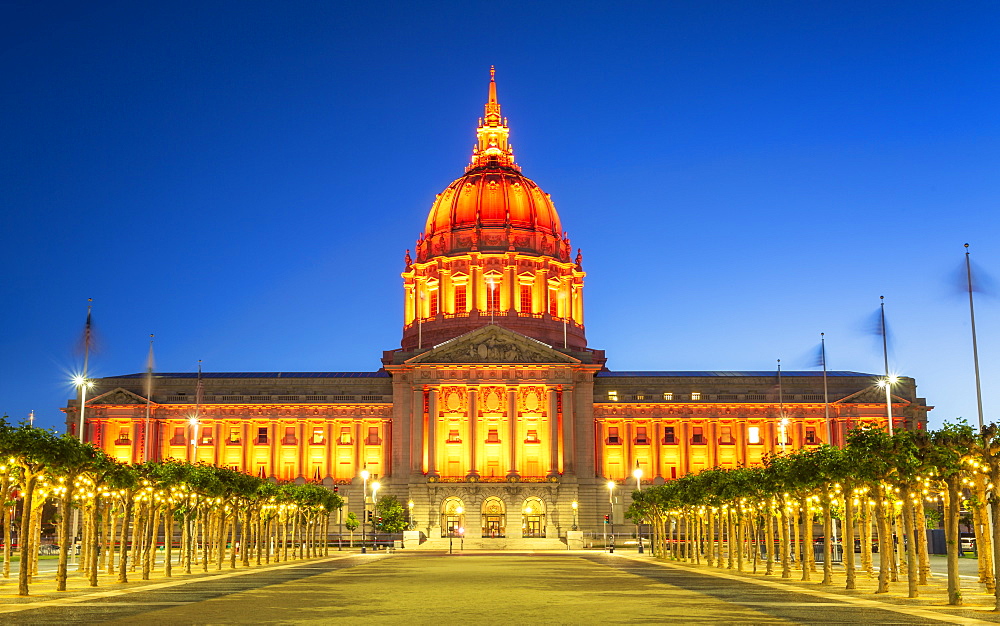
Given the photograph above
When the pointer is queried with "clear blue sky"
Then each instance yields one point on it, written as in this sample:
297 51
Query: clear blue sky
242 178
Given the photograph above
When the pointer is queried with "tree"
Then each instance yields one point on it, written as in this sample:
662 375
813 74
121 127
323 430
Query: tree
391 515
351 523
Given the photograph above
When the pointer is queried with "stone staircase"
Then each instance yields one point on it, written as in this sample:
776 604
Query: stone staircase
498 544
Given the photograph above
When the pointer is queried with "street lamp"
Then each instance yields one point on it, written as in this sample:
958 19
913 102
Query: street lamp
375 487
364 507
83 384
638 487
887 383
575 506
611 519
194 438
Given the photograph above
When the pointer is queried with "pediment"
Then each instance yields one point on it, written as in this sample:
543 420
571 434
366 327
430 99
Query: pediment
492 344
117 396
871 395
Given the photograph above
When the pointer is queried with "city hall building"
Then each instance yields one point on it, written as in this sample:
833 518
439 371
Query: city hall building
494 415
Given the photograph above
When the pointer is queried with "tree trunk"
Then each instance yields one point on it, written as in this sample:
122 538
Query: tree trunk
866 534
769 537
827 541
953 495
981 524
168 541
807 539
884 542
65 541
849 565
995 507
30 481
911 542
95 540
123 559
786 564
924 558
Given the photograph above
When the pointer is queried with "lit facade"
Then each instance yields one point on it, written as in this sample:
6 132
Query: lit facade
494 415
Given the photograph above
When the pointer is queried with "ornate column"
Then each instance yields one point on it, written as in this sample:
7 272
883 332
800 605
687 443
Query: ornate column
418 438
303 451
512 420
553 432
629 451
568 432
658 450
356 441
328 448
432 435
473 444
685 443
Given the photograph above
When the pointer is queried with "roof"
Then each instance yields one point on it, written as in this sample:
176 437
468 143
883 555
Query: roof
378 374
728 374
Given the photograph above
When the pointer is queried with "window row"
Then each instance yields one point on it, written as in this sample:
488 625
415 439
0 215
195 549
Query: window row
810 436
492 436
206 436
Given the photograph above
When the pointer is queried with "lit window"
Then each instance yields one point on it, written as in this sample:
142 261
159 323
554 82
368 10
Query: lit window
811 435
612 396
613 435
234 435
695 395
433 304
753 434
206 435
123 434
640 436
460 298
317 435
668 396
453 437
492 436
345 435
668 435
492 294
727 435
526 298
262 435
553 303
532 436
640 396
697 435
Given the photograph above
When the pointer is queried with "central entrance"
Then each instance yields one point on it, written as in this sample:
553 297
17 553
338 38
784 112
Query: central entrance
452 517
494 518
533 518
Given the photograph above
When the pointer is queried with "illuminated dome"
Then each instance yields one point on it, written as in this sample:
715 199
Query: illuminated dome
493 252
493 207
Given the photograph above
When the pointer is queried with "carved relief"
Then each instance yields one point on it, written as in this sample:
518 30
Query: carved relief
531 399
454 400
492 400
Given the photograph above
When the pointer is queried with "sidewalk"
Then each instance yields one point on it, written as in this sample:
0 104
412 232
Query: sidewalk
43 586
932 602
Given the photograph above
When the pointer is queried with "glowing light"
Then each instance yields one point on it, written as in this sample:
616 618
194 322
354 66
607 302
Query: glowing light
364 474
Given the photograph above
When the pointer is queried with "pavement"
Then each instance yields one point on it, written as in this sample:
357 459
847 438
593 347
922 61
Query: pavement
579 587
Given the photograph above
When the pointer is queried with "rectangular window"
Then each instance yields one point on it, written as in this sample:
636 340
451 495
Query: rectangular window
460 299
727 436
613 435
612 396
123 434
433 303
697 435
289 438
668 396
668 435
453 436
492 294
178 438
318 435
695 395
553 303
532 437
373 438
492 436
526 298
234 435
640 436
753 434
262 435
207 437
811 435
345 435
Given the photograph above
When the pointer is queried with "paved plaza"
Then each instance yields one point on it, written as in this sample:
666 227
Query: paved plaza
425 588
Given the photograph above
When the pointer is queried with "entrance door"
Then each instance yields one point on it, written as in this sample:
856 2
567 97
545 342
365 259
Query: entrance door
493 526
452 525
533 526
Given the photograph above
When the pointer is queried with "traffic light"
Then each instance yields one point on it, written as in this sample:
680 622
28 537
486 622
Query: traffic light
336 489
607 519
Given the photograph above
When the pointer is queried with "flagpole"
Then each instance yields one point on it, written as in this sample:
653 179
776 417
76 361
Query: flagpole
783 423
885 356
975 347
149 395
84 383
195 421
826 393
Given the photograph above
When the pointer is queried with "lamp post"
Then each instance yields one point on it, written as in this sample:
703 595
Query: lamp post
409 522
638 487
611 518
887 383
375 487
364 508
575 506
194 438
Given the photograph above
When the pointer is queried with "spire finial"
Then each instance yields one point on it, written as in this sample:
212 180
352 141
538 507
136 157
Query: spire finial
493 94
